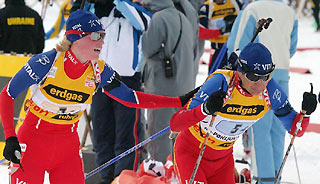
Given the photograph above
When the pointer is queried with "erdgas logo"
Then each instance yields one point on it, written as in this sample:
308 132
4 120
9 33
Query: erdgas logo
251 110
65 94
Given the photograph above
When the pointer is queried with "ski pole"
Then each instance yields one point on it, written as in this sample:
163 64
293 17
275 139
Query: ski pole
3 160
203 147
297 166
298 127
98 169
262 23
219 58
83 2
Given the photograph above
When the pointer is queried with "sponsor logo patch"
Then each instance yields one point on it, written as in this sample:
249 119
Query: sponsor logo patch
67 117
251 110
52 72
90 82
65 94
226 144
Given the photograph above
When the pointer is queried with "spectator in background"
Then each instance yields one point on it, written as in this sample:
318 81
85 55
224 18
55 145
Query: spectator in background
185 7
21 29
268 134
114 133
166 71
315 11
213 15
196 5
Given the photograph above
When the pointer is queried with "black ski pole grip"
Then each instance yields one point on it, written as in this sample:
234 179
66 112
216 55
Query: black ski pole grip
262 23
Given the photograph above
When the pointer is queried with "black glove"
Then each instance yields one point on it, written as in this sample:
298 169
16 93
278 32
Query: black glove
215 101
186 97
309 102
117 14
12 144
228 20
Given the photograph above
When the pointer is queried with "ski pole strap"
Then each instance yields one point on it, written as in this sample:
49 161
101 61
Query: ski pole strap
115 159
298 125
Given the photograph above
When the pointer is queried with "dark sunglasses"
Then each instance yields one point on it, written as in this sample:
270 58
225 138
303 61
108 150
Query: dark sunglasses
252 76
95 36
256 77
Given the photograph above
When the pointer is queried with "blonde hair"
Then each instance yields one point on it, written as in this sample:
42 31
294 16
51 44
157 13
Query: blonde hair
63 45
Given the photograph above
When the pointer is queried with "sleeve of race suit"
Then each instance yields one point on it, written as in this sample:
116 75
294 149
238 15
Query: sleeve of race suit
203 15
206 34
192 112
283 109
116 89
31 73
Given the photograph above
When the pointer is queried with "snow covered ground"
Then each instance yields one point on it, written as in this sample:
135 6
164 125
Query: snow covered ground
307 148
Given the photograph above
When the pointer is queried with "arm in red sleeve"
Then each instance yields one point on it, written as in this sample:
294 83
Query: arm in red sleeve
148 101
185 118
6 113
206 34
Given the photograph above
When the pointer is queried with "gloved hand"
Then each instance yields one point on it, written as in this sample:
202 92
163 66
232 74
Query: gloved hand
215 101
12 145
229 20
309 102
186 97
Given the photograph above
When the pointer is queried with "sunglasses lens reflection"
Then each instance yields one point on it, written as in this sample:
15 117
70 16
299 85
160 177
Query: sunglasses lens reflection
95 36
255 77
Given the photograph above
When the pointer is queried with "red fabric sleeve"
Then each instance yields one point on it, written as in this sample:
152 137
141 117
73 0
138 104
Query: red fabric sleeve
6 113
206 34
304 125
150 101
184 118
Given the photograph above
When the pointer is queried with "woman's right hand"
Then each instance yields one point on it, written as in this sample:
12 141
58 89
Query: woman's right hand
12 146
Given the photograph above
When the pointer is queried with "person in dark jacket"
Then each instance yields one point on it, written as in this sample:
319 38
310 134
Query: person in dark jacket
21 29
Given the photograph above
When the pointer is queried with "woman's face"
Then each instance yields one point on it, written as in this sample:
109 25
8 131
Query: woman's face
254 88
88 48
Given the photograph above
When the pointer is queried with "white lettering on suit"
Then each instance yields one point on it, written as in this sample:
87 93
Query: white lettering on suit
195 182
20 182
31 74
43 60
111 78
204 95
277 95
